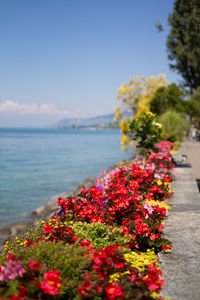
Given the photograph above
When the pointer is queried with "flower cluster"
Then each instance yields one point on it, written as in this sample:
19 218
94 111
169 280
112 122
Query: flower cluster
167 147
116 279
12 275
100 244
11 269
162 164
51 283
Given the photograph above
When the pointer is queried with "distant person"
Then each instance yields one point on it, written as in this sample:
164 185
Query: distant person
193 135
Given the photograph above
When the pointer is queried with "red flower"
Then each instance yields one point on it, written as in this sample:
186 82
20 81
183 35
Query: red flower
52 283
166 248
98 289
84 191
85 288
85 243
48 229
22 292
160 228
11 257
113 291
154 236
62 202
73 239
142 229
34 265
28 243
69 230
153 281
15 297
124 229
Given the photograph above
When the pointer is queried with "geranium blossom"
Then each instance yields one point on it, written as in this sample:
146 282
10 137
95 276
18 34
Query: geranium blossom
51 284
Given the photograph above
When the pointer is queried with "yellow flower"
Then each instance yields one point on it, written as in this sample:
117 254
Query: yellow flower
159 182
159 203
173 151
114 277
141 260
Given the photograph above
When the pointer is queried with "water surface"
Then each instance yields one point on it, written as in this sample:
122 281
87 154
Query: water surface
36 164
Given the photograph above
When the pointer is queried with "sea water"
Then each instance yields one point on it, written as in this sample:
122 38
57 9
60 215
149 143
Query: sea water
36 164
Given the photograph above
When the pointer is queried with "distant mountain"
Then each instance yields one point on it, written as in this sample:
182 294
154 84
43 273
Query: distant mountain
102 121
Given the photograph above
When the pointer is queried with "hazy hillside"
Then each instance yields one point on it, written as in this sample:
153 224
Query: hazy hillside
102 121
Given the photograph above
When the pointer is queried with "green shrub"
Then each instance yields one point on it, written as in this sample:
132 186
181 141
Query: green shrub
174 126
67 259
146 131
100 235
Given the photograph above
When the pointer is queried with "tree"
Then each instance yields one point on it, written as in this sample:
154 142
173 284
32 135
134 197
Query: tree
192 107
134 97
174 126
183 41
167 97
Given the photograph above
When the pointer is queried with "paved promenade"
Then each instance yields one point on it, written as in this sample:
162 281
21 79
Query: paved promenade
181 267
193 152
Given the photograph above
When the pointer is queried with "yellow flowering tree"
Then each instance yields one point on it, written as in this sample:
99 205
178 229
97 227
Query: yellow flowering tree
135 97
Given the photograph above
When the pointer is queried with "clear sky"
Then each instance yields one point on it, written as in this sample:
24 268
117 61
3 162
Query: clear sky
67 58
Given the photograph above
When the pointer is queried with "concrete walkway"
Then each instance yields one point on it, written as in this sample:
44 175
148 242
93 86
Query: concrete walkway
181 267
193 152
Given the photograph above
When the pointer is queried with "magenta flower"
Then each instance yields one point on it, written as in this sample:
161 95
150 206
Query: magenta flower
11 270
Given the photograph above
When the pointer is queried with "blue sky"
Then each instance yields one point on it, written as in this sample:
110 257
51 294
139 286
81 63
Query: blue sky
67 58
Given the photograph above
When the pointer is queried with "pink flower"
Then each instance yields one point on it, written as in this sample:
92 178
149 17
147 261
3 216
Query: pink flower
148 207
11 270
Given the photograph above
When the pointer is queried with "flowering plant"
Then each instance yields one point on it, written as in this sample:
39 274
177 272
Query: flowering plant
101 244
167 146
146 132
162 163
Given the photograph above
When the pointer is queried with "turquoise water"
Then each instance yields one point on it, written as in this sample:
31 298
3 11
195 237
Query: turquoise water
36 164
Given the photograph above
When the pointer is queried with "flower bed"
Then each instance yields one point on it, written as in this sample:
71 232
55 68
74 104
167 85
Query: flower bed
101 244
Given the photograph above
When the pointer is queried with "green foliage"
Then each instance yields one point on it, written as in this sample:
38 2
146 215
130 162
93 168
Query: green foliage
183 41
147 132
100 235
174 126
159 26
65 258
192 106
167 97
